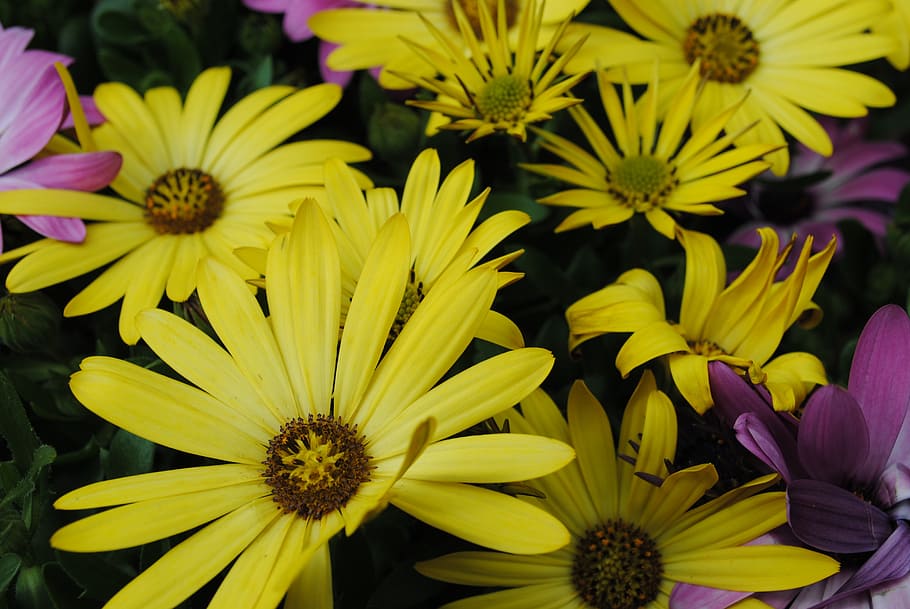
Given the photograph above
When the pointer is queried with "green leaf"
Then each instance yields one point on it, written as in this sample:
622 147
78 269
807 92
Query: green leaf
43 456
15 426
31 591
9 566
99 578
129 455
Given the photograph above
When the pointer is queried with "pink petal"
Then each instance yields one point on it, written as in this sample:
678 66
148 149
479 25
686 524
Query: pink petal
31 122
62 229
338 77
87 171
883 184
833 440
268 6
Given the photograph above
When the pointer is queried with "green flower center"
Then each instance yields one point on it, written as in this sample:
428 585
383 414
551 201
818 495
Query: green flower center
504 99
725 45
617 566
641 182
413 295
472 12
315 466
183 201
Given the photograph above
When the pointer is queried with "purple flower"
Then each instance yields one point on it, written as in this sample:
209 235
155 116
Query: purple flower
32 109
297 14
849 184
846 465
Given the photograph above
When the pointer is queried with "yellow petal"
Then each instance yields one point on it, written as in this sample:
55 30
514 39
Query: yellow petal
199 113
690 374
153 519
484 517
654 340
478 459
705 278
69 203
494 569
312 588
592 438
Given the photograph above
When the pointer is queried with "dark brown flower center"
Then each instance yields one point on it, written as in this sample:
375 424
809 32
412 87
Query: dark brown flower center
617 566
315 466
725 45
183 201
472 12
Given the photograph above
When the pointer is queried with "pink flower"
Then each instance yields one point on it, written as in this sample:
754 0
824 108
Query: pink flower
32 109
850 184
296 15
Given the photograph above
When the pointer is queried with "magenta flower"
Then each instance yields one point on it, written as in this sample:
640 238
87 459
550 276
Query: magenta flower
32 109
851 184
847 469
297 14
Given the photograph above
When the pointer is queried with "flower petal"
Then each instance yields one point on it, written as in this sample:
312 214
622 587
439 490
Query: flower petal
833 439
833 519
481 516
494 569
880 382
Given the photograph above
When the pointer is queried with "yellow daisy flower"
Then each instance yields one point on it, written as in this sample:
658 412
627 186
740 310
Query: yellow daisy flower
374 36
741 324
634 530
494 90
191 184
441 220
317 432
787 53
650 173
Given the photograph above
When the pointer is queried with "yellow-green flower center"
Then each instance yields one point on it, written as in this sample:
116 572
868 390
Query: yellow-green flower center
413 295
641 182
183 201
725 45
315 466
617 566
472 12
504 99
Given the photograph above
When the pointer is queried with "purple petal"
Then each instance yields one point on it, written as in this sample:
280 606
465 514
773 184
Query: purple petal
686 596
873 220
833 519
883 184
268 6
815 593
833 441
880 382
62 229
776 451
80 171
890 562
893 485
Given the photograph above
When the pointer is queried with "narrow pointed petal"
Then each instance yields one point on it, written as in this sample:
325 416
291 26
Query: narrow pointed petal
592 437
494 569
481 516
312 588
478 459
833 519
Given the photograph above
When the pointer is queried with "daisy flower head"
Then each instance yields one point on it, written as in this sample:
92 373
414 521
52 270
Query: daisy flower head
494 90
850 184
317 430
441 218
788 54
647 172
845 465
635 532
740 324
191 185
33 107
368 37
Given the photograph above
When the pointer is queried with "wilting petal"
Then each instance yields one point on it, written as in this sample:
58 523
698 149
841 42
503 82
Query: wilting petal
833 519
833 439
880 382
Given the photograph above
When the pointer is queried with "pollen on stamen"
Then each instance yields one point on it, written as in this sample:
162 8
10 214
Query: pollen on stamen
183 201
